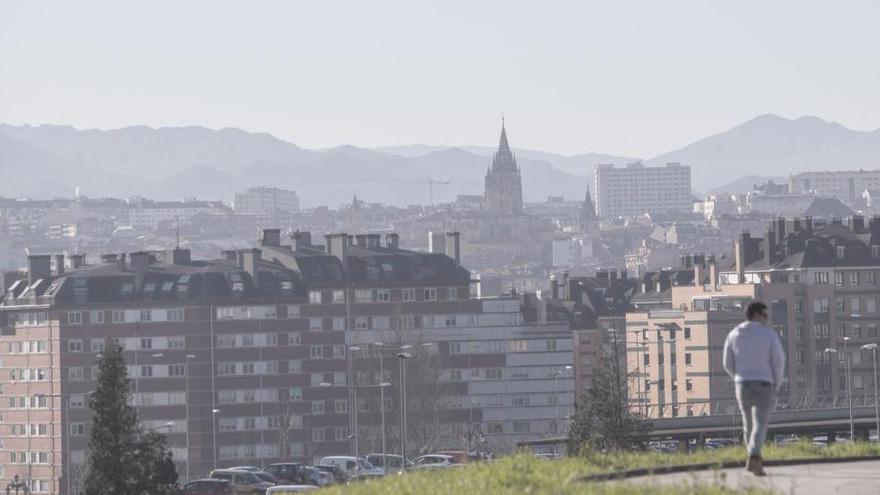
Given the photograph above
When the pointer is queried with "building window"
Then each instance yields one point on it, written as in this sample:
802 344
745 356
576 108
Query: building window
838 279
98 345
688 359
455 375
820 305
520 426
820 277
798 305
146 315
551 345
383 295
76 402
316 324
96 317
75 373
317 407
174 314
338 296
176 370
408 295
688 384
293 310
176 342
451 294
363 295
361 323
74 318
77 429
118 316
315 297
430 294
146 343
494 374
318 434
75 345
338 323
316 352
646 359
687 333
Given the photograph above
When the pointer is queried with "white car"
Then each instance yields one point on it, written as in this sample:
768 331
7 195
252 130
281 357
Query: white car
433 461
347 464
288 489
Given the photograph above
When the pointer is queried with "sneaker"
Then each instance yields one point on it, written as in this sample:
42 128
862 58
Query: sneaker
755 465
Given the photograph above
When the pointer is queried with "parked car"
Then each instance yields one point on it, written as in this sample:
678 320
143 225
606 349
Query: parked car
462 457
269 477
208 487
292 473
243 482
317 477
335 473
353 467
434 461
290 489
252 469
394 462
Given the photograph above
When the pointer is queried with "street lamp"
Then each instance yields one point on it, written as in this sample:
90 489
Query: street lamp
186 380
848 378
402 357
380 345
873 348
354 406
214 413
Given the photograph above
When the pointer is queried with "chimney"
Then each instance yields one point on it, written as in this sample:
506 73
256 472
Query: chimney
180 256
713 273
780 231
453 246
301 240
337 245
250 263
857 224
392 241
374 241
699 273
435 243
554 288
120 261
739 256
39 266
77 260
808 225
229 254
361 240
108 258
271 237
769 246
140 263
59 264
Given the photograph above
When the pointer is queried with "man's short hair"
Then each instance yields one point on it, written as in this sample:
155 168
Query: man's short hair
755 309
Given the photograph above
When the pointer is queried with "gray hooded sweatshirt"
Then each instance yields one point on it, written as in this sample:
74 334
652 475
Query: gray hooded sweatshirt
753 352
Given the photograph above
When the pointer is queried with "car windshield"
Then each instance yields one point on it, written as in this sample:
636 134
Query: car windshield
365 464
248 478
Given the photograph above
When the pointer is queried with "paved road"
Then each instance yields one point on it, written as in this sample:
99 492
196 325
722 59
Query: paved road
861 478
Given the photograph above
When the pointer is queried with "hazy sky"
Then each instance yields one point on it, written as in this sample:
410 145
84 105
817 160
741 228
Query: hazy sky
624 77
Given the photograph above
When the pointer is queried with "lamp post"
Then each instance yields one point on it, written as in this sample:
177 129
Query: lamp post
186 378
402 357
353 387
214 413
848 377
380 345
873 348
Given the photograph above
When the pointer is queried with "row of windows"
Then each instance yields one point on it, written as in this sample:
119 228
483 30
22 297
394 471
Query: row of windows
28 347
126 316
29 457
337 296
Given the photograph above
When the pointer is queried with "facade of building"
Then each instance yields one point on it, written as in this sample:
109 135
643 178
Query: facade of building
503 181
267 200
150 214
845 185
637 189
264 337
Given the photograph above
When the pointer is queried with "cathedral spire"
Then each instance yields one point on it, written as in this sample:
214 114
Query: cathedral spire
504 158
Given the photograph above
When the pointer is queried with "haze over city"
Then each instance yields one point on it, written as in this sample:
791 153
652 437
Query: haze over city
272 247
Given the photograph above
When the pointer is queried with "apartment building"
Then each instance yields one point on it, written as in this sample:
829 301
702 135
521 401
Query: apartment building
845 185
820 281
507 380
259 336
637 189
267 200
150 214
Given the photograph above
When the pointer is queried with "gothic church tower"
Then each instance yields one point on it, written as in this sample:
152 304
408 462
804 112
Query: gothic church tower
503 193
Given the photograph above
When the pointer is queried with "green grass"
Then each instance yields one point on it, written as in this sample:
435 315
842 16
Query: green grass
525 474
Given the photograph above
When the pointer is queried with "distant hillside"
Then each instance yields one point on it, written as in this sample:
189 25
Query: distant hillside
172 163
770 145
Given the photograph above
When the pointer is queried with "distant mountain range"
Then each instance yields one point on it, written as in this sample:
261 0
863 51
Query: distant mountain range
176 162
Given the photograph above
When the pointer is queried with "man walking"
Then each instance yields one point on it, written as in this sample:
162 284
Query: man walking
754 358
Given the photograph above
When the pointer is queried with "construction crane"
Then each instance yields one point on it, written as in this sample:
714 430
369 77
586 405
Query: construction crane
430 182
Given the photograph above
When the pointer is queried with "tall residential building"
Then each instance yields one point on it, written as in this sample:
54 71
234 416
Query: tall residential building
503 181
268 200
637 189
151 214
845 185
263 336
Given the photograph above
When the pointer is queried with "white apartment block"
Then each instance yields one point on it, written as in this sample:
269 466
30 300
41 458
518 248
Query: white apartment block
267 200
845 185
636 189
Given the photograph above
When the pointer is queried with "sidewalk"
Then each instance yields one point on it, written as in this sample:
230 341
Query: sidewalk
860 478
